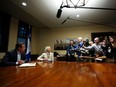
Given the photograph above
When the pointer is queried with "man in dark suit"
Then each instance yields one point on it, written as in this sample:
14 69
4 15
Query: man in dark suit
16 56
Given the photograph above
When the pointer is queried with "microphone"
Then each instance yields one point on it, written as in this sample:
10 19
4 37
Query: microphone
59 13
65 20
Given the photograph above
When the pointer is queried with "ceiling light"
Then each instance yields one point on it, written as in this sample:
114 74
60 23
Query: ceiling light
24 4
78 16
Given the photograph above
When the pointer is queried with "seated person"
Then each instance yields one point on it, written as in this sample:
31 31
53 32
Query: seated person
16 56
47 55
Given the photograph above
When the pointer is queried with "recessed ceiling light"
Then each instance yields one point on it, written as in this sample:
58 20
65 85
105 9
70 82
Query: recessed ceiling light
78 16
24 4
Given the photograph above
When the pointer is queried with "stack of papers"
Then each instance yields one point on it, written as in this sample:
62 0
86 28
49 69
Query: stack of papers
28 65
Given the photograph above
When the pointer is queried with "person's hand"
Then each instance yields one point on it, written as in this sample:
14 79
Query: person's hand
83 46
68 54
20 62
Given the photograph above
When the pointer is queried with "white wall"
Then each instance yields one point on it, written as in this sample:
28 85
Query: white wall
34 42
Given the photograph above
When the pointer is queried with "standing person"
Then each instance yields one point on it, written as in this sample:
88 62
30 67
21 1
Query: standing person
85 52
111 48
104 44
86 42
96 46
16 56
79 45
70 51
47 55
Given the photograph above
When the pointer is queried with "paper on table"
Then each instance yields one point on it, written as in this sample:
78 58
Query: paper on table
98 59
28 65
40 59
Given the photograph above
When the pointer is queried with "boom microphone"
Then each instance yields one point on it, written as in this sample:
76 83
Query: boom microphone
65 20
59 13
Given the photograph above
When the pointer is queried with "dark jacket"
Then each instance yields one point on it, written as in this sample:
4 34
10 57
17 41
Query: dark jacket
112 49
10 58
70 49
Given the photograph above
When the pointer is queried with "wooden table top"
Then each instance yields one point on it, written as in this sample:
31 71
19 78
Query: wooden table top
59 74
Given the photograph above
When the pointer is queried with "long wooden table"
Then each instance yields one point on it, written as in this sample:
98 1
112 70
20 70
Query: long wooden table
59 74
